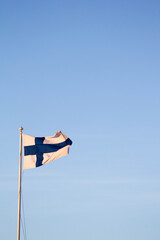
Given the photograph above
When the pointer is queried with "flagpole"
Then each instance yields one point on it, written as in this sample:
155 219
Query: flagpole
19 187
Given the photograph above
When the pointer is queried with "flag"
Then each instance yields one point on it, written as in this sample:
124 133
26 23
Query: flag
41 150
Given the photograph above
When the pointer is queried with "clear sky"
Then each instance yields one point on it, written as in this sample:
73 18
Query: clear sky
90 69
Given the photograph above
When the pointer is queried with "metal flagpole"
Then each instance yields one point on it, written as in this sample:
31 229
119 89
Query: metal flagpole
19 188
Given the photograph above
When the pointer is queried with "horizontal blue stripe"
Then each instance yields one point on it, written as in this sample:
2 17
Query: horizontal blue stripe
45 148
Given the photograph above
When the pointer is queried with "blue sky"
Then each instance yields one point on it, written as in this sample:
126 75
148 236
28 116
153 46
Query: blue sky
91 70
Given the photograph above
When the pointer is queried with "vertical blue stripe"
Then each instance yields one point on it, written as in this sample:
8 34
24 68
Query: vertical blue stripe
39 154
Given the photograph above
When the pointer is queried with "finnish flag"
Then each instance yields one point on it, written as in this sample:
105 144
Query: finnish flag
41 150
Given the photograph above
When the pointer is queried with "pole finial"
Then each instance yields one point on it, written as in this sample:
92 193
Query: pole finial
21 128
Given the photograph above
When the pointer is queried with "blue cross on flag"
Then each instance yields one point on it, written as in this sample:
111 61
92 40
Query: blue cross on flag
41 150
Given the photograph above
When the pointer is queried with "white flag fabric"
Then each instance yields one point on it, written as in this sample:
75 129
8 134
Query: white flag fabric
41 150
